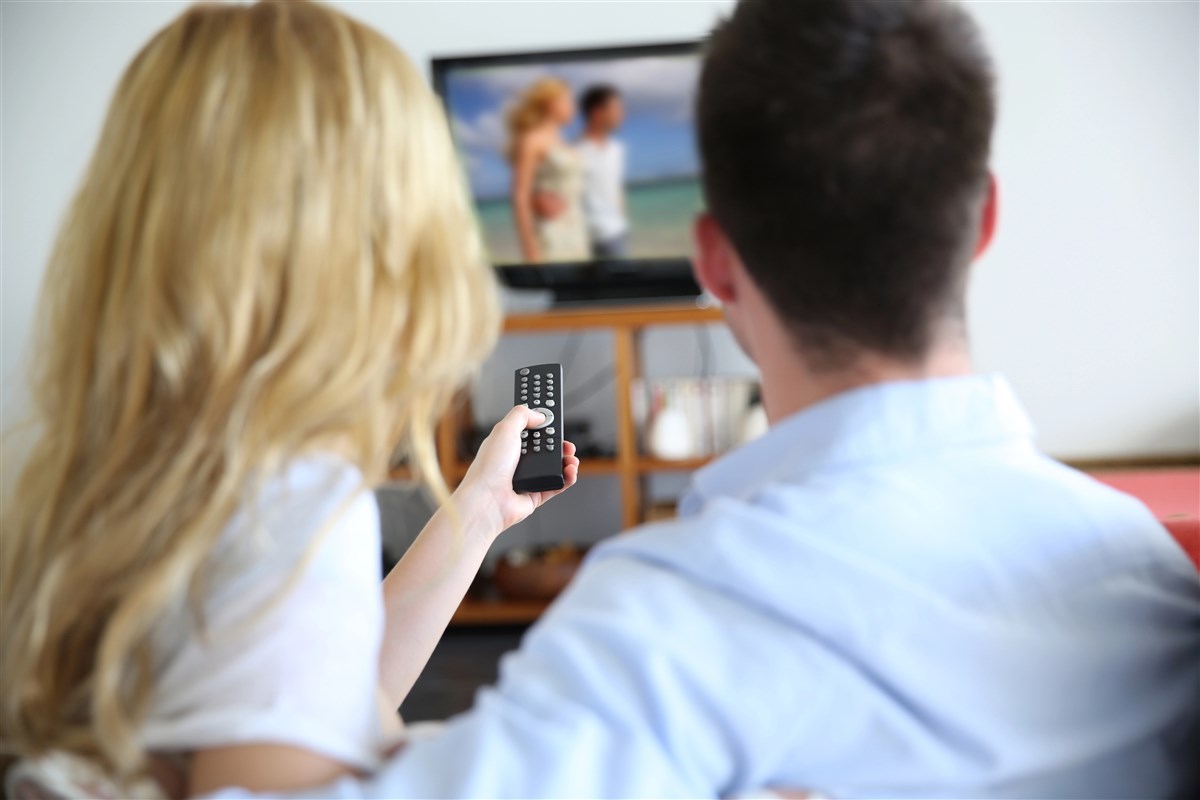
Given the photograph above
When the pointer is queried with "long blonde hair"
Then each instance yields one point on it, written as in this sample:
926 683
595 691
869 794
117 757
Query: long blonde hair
271 254
532 108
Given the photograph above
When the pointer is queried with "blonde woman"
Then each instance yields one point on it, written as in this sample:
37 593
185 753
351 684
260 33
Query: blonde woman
267 280
547 185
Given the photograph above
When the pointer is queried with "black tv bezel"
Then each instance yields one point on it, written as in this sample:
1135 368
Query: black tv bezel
593 279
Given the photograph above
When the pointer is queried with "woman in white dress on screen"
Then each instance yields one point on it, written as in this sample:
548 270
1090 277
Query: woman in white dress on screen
267 283
547 186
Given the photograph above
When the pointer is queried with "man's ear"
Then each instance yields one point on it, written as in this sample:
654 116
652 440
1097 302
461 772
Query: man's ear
713 264
987 216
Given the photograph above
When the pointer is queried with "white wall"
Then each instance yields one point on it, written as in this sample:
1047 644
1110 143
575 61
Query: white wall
1088 300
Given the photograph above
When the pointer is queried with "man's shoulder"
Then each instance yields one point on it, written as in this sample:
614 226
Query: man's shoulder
919 532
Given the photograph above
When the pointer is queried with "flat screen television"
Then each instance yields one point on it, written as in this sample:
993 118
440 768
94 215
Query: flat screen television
582 165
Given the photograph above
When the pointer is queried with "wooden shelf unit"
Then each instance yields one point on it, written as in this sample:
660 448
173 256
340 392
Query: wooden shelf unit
629 466
626 325
496 611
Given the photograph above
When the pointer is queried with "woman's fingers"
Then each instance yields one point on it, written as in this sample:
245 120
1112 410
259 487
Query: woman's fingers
570 464
570 472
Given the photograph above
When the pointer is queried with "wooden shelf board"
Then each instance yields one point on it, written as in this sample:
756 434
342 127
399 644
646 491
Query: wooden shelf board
621 317
669 465
1172 461
588 466
476 611
598 466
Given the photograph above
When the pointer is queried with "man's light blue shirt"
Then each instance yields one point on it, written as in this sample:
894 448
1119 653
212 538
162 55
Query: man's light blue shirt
892 593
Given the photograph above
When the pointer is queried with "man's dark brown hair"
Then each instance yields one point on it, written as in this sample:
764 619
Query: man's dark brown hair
845 149
595 97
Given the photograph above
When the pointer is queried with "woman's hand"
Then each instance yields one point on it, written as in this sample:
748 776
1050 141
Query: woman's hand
486 494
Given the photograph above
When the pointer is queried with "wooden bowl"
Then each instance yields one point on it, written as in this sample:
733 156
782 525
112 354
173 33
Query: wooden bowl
536 575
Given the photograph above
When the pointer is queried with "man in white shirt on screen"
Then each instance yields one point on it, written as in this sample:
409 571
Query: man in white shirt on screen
603 158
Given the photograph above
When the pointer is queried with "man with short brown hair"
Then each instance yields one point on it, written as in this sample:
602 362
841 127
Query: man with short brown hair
892 593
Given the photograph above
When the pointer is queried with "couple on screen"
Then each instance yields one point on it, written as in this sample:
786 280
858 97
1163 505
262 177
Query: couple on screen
568 200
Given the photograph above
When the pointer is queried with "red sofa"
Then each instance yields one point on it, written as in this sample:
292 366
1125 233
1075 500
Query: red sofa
1173 495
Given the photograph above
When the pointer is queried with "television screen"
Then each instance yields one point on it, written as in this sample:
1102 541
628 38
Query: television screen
579 157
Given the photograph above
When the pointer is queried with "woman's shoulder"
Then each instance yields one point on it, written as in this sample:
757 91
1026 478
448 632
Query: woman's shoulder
536 141
317 510
296 573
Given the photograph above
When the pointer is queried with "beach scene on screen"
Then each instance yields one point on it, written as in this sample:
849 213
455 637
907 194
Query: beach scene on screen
661 168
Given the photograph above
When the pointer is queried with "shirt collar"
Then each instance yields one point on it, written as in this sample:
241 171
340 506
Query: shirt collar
871 424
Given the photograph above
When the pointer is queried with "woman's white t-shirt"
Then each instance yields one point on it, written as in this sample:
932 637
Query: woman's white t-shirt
293 623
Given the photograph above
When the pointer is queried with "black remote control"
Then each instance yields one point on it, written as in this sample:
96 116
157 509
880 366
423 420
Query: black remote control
541 466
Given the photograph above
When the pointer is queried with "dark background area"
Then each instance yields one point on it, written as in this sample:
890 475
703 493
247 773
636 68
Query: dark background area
465 660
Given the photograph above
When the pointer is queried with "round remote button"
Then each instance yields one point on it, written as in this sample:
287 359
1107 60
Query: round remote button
550 431
537 449
524 434
547 413
525 371
550 403
550 447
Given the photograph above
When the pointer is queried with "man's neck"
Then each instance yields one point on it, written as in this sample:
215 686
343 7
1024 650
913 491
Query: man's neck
790 384
596 135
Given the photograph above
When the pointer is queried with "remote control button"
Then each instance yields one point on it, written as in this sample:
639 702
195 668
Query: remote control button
537 449
525 371
524 452
550 447
537 434
547 413
524 434
550 403
549 441
550 431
